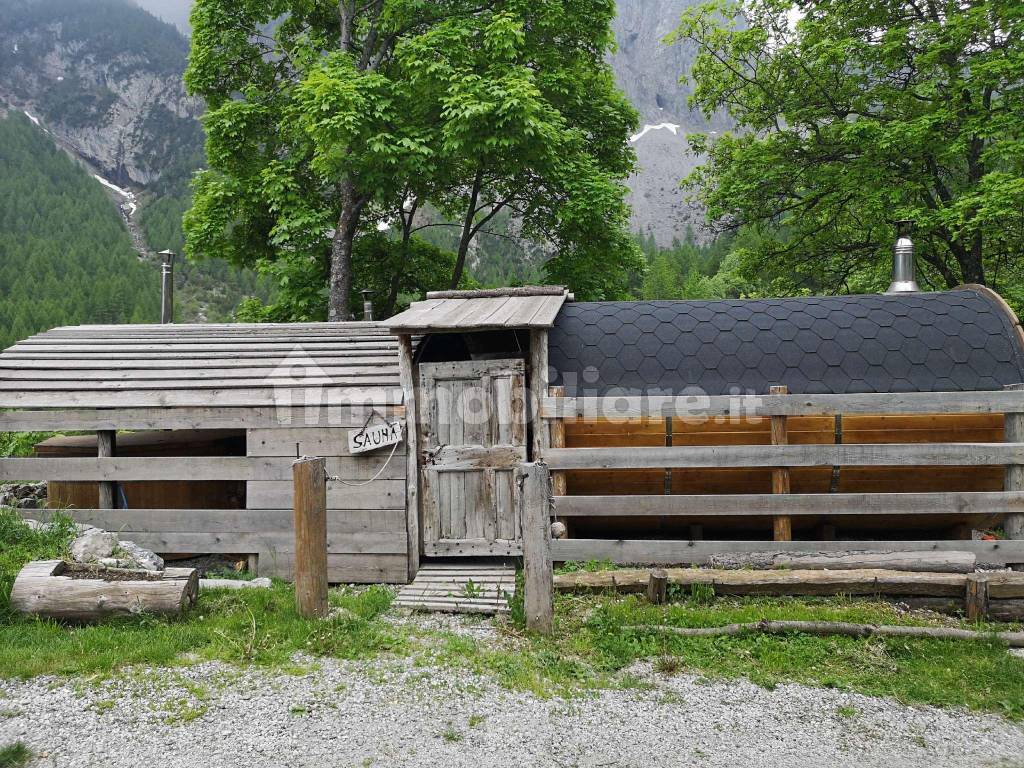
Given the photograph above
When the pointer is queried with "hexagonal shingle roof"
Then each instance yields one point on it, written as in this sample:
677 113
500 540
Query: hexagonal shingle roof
950 341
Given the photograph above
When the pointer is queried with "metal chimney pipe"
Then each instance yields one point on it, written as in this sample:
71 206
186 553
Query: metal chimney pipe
903 279
167 287
367 306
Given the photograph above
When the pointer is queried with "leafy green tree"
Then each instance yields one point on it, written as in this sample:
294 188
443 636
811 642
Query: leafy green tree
529 121
858 115
327 118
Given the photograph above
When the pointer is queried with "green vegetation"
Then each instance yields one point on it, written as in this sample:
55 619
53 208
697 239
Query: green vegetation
476 112
855 116
20 443
589 650
19 544
65 256
14 755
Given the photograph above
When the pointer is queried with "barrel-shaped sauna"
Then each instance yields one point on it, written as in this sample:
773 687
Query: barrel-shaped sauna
956 341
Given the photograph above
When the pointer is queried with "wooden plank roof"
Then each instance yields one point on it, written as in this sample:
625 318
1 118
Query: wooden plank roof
244 365
528 307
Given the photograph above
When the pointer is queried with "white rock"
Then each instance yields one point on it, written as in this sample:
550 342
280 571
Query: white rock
146 559
261 583
35 525
93 545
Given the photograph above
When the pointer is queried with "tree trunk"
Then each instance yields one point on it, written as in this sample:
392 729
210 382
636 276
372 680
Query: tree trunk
467 230
408 218
339 308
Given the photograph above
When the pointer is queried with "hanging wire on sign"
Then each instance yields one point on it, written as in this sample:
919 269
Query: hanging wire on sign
336 479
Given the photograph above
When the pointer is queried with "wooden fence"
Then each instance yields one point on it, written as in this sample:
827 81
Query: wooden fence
366 523
779 456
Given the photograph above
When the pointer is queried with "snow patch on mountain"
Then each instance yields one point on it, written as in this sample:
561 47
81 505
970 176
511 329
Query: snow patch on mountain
673 127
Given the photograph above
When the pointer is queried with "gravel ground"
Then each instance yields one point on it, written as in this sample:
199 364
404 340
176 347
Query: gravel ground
392 712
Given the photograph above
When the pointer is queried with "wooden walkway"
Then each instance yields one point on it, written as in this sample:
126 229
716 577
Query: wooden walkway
460 588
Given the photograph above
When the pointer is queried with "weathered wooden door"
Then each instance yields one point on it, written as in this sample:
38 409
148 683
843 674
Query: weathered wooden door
474 436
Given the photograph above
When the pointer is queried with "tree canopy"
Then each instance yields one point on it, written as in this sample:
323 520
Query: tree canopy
329 119
857 115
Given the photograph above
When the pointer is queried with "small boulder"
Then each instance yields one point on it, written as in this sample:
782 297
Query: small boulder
93 545
144 558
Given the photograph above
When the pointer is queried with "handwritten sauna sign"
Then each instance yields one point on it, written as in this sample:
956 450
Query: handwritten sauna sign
371 438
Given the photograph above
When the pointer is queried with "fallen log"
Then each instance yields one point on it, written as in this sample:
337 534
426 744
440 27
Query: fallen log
826 628
922 561
52 589
777 583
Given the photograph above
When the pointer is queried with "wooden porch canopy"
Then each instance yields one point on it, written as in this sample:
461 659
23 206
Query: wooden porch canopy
526 307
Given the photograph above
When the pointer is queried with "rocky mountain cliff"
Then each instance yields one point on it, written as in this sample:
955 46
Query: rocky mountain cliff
648 72
105 80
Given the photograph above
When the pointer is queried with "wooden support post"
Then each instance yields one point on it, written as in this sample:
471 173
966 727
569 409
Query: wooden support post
538 577
106 447
976 597
782 525
557 430
1013 526
657 587
559 487
310 476
407 375
538 389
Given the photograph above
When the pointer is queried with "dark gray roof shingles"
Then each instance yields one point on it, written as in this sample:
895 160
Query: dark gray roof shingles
951 341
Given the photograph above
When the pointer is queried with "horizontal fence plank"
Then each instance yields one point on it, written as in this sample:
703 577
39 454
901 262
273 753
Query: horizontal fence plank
171 468
380 542
666 552
380 494
725 456
268 396
761 406
341 568
473 457
991 503
227 520
89 419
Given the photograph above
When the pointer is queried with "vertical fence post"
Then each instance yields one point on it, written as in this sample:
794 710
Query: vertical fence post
538 581
782 525
1013 526
310 478
559 486
106 447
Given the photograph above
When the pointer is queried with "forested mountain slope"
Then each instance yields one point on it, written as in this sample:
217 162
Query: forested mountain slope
65 256
104 79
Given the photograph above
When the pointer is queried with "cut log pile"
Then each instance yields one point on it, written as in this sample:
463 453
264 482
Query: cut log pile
997 595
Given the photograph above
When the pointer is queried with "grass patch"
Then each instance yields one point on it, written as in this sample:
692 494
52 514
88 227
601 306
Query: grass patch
14 755
19 544
589 649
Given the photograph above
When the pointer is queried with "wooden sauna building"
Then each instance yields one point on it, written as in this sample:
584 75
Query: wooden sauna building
191 430
676 431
